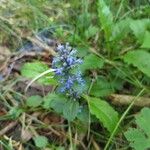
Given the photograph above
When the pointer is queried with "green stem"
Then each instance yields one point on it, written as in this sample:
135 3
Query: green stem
121 119
119 10
70 137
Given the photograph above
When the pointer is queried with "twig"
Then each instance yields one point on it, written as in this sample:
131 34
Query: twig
8 127
42 45
119 99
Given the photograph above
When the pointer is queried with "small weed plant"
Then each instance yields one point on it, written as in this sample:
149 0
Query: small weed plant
99 73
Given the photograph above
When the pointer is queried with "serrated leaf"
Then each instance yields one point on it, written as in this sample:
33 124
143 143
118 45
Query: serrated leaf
120 30
34 101
91 31
139 28
101 88
105 18
91 62
143 122
41 141
139 138
104 112
55 102
139 59
146 41
34 69
70 110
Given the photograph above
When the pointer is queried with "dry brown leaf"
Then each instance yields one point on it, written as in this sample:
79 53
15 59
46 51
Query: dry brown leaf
119 99
25 135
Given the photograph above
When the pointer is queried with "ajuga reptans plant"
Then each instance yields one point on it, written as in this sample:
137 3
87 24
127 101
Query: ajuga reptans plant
66 65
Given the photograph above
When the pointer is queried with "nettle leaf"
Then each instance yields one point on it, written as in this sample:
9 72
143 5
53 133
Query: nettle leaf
41 141
143 121
120 30
34 69
91 62
91 31
71 109
104 112
55 102
139 138
139 28
146 41
139 59
34 101
105 18
101 88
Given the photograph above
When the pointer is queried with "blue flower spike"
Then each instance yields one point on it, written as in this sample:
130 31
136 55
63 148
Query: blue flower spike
64 63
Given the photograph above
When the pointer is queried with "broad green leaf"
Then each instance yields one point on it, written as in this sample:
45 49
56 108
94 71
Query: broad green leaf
34 101
146 41
139 137
105 18
91 62
34 69
139 59
55 102
101 87
139 28
71 109
143 122
41 141
60 148
120 30
104 112
91 31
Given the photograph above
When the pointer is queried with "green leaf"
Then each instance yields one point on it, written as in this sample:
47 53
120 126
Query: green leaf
146 41
139 138
91 62
139 28
71 109
101 88
34 101
143 122
91 31
15 112
55 102
105 18
41 141
120 30
104 112
83 114
139 59
34 69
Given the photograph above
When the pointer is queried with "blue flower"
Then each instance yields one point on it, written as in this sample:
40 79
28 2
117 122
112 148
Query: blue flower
70 60
79 61
59 71
69 80
60 48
